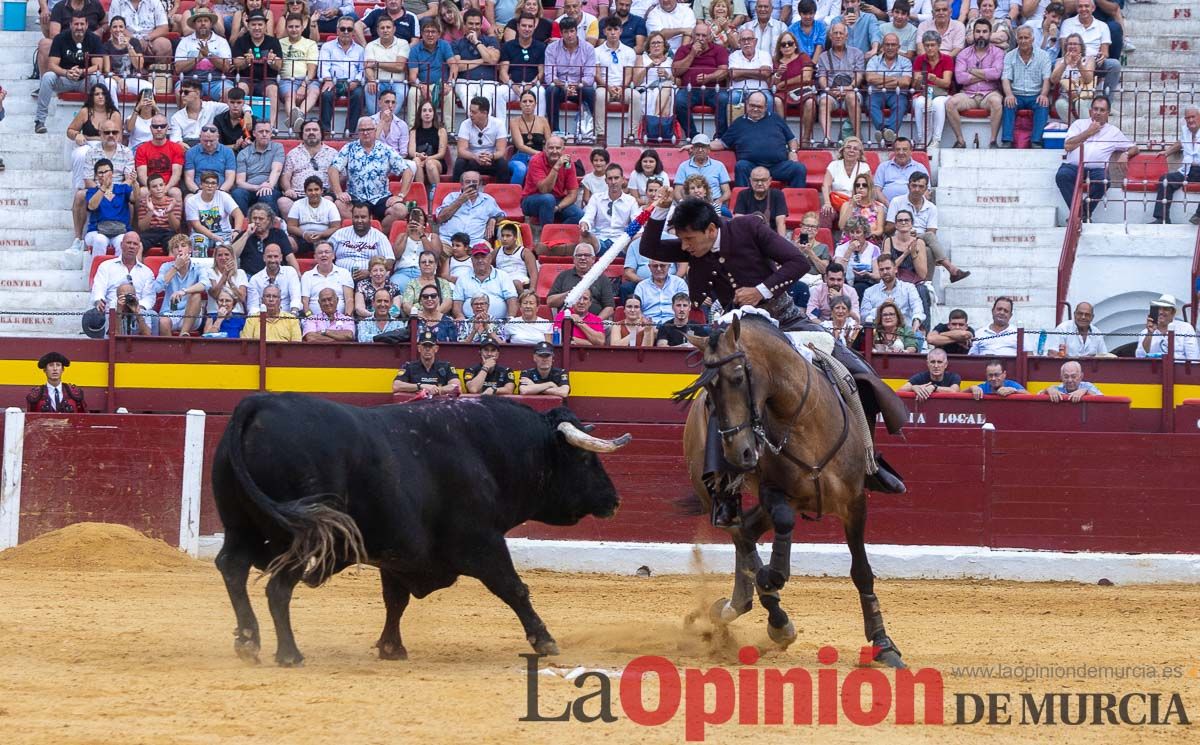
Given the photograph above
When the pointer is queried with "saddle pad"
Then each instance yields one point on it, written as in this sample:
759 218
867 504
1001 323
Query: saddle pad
822 340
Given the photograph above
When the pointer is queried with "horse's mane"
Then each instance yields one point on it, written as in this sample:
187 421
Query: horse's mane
709 374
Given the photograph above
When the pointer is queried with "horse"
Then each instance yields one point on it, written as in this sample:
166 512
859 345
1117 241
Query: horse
787 438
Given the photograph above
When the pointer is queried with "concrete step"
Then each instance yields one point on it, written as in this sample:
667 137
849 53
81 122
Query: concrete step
23 40
1150 241
15 200
22 260
19 180
1016 276
1138 14
42 281
36 241
972 177
15 301
35 218
983 261
26 325
998 158
1012 196
1003 217
39 159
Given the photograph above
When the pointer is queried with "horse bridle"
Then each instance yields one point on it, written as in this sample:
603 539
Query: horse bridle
763 439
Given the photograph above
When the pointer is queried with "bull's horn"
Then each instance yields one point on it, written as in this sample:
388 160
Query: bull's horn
584 441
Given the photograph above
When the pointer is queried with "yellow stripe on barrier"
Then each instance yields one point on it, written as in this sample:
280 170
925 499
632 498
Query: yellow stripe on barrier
161 375
627 385
82 374
330 379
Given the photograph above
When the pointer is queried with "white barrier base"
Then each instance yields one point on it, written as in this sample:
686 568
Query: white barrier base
833 559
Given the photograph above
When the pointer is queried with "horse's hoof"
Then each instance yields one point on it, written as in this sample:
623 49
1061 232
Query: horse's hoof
390 651
247 650
769 580
545 645
287 659
782 637
722 612
891 658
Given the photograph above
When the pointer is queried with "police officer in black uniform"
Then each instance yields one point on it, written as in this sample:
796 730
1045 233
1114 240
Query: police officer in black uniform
427 376
544 379
489 377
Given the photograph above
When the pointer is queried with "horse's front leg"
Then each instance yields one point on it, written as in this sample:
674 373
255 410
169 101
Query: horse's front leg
773 576
746 566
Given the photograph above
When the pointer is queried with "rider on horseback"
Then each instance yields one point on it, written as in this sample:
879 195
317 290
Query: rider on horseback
739 262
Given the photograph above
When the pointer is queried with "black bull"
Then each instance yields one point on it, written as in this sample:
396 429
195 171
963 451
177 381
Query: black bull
425 491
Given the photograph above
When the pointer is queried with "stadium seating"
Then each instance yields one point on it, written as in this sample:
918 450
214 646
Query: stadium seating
508 196
561 235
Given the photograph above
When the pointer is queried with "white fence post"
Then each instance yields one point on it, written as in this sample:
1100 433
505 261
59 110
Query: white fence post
193 464
10 490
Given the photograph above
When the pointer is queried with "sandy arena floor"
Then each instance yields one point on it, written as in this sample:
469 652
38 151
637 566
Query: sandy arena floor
139 649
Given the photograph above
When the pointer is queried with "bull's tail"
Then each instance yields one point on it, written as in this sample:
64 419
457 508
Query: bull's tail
322 534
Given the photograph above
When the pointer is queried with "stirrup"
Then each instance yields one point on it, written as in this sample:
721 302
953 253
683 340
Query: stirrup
727 511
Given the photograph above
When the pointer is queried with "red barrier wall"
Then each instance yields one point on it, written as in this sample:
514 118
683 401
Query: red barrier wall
123 469
1129 493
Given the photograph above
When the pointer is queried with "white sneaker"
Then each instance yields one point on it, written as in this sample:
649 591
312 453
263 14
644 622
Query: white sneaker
76 245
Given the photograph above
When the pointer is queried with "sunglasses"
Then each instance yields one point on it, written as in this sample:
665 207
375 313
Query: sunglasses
158 126
787 44
208 128
345 29
429 297
111 132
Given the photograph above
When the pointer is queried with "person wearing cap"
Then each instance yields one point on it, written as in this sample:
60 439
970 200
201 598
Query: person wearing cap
55 395
544 379
1153 340
484 279
203 56
258 56
712 171
427 374
489 377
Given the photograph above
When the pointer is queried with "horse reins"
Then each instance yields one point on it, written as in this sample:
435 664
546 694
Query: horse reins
759 428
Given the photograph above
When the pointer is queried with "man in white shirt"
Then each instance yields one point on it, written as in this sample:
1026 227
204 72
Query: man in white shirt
274 273
387 66
1081 338
1154 339
999 338
674 20
326 274
127 271
355 245
924 219
749 69
904 294
204 56
766 28
608 214
1189 167
482 143
1098 141
340 70
194 114
614 61
1096 40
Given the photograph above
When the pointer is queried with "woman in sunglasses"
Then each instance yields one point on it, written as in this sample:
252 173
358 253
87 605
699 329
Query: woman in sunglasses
430 317
98 113
862 203
793 81
427 263
300 8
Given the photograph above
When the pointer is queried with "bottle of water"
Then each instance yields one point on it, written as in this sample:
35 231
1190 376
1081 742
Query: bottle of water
557 337
1041 347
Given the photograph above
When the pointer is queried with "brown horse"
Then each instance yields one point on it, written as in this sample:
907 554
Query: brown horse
786 435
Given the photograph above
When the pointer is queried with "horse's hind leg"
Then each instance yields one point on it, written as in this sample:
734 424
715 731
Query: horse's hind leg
746 565
864 581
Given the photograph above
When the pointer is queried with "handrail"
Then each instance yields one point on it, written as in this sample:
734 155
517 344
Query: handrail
1066 259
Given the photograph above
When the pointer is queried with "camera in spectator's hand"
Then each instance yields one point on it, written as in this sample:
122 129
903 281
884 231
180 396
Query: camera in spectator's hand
130 300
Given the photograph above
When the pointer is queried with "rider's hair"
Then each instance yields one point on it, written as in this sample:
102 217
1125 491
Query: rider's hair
694 214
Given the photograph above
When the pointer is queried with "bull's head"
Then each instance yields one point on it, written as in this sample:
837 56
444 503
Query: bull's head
575 484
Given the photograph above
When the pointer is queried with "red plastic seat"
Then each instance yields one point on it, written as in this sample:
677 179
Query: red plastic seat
508 196
626 157
975 114
442 190
561 235
800 201
1144 172
544 282
306 264
726 158
816 161
416 193
672 158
